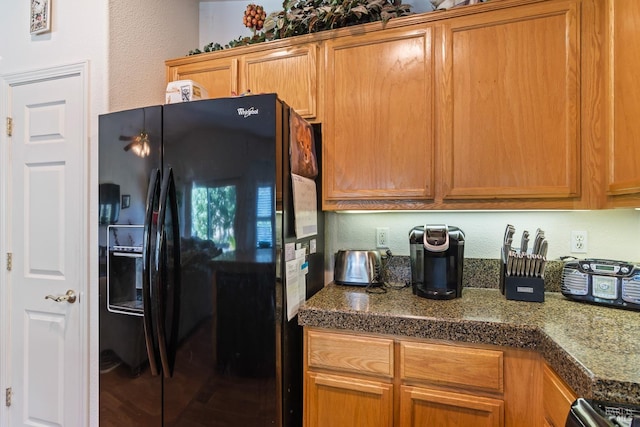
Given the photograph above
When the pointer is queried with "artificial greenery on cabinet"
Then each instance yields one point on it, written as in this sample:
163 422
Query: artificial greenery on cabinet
309 16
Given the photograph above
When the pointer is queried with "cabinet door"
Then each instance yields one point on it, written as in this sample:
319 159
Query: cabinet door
378 127
624 99
334 400
291 72
426 407
510 103
557 398
219 76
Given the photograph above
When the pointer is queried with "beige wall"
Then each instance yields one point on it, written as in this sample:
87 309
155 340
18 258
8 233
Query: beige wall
141 36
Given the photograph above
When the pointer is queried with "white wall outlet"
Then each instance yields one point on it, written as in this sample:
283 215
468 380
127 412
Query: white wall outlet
382 237
579 242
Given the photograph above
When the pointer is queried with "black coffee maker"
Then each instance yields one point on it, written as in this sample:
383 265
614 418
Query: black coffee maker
437 260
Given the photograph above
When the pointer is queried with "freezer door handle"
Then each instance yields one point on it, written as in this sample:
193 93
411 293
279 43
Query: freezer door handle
150 224
168 284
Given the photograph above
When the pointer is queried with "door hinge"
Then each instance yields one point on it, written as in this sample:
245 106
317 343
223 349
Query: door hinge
7 399
9 261
9 126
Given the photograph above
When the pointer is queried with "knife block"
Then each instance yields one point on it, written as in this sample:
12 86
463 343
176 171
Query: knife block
521 288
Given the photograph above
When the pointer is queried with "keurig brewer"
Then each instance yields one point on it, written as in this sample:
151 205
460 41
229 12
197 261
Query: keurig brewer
437 258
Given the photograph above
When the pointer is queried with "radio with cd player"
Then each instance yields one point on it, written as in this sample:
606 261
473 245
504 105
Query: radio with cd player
602 281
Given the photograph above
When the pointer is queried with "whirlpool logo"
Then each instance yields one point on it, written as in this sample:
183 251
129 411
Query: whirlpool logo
246 112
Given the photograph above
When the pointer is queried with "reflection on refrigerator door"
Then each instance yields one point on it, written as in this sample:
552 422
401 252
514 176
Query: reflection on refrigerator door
124 269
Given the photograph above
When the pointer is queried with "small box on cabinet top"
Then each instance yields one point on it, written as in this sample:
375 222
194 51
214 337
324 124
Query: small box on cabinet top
184 91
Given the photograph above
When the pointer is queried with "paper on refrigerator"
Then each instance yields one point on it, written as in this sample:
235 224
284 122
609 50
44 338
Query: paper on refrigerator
296 280
305 206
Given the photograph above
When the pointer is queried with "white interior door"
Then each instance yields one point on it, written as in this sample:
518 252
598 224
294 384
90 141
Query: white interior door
47 235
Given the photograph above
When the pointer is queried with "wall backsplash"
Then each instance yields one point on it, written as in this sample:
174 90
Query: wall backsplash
477 273
613 234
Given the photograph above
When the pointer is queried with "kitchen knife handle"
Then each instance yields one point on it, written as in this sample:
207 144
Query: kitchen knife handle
524 243
543 248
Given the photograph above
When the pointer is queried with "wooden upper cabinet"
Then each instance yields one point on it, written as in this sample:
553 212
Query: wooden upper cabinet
508 104
378 120
291 73
515 104
623 22
219 76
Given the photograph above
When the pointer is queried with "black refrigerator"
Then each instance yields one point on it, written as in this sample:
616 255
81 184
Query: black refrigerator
197 228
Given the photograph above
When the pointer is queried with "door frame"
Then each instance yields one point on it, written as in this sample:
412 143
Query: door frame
7 81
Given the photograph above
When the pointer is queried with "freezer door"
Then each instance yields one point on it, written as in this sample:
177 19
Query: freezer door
129 148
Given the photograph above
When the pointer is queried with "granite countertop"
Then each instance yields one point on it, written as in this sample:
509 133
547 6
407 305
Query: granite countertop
595 349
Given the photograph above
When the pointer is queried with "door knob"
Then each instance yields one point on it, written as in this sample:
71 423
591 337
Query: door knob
69 297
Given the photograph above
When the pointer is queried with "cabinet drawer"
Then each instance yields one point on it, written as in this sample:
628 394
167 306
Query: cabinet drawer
469 367
350 353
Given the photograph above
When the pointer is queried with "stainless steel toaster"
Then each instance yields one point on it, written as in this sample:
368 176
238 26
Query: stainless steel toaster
357 267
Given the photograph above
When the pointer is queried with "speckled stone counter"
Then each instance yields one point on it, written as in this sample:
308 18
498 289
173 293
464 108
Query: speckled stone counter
595 349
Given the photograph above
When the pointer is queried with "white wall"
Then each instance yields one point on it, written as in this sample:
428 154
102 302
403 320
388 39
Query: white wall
610 233
221 21
78 33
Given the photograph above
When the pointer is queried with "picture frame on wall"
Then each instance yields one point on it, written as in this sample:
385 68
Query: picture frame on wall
40 16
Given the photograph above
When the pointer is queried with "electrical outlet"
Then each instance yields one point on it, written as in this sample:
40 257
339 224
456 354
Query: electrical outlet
579 242
382 237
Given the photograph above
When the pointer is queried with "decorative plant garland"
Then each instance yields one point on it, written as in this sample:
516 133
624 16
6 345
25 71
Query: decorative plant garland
310 16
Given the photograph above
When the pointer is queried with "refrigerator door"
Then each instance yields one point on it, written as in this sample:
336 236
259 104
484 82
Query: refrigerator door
167 285
150 274
223 157
129 148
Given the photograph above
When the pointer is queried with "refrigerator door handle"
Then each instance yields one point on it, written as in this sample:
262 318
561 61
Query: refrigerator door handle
150 222
168 313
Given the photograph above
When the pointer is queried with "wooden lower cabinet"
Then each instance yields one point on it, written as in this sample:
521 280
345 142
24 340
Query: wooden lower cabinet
354 379
557 398
425 407
346 401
